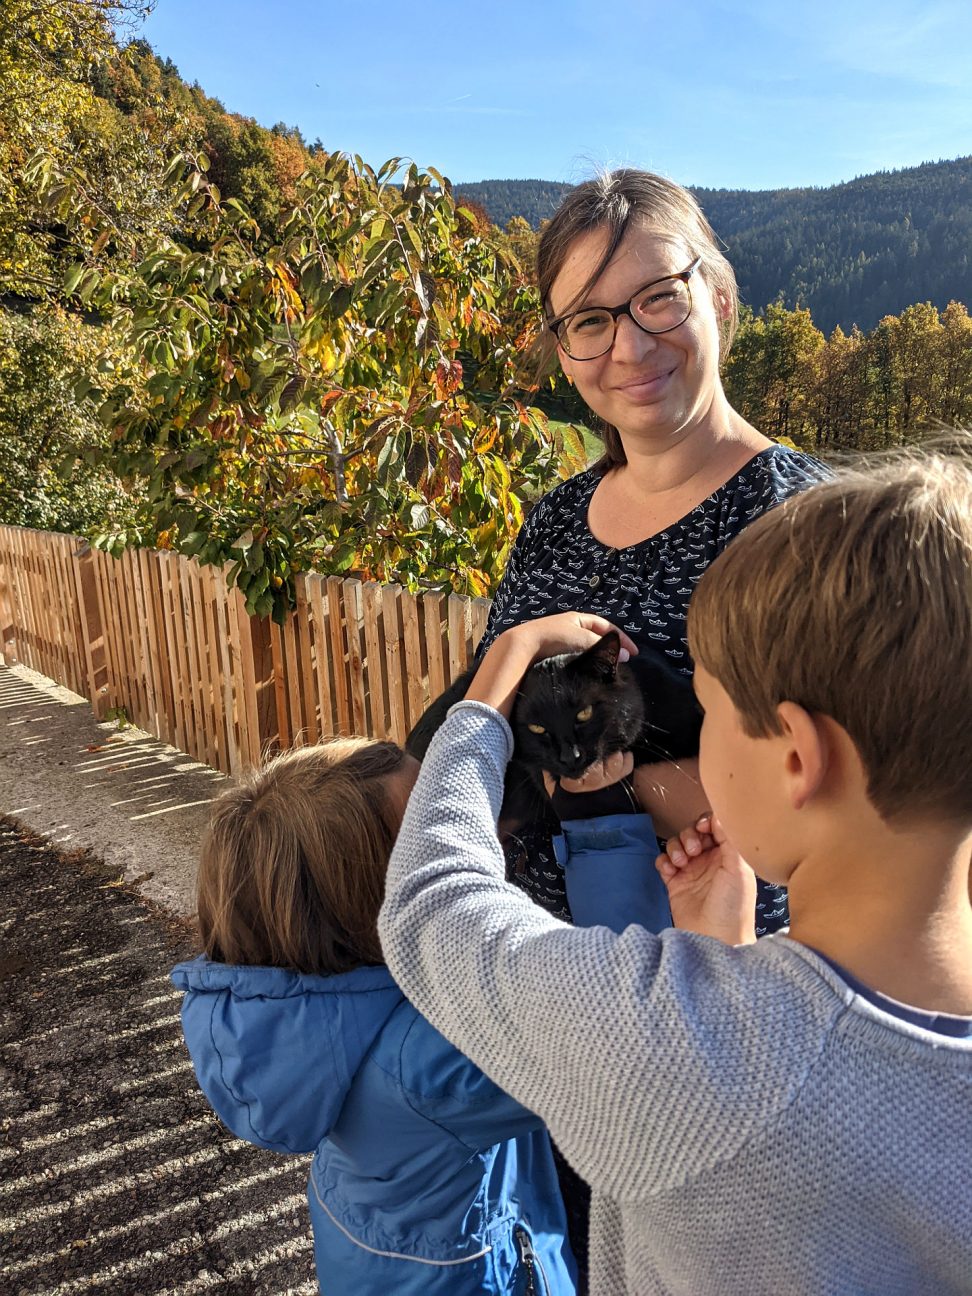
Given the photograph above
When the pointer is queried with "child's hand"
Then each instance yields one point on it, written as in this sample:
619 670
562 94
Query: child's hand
711 888
563 632
509 658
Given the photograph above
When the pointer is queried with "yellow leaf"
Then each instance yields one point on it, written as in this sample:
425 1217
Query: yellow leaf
485 438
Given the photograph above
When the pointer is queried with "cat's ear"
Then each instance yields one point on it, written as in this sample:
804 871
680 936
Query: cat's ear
601 660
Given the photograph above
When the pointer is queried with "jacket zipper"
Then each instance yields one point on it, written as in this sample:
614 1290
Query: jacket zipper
531 1262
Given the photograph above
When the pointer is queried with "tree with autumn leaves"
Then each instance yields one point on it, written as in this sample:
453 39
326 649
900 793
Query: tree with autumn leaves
342 400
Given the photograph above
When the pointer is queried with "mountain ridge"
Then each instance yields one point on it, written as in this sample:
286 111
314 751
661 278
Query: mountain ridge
851 252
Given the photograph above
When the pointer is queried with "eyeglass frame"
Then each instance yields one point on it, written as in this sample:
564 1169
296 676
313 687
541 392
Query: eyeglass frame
616 312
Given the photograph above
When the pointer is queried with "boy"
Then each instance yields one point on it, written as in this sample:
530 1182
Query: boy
782 1117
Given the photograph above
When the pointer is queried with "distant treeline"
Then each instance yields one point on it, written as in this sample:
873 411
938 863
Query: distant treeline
909 375
851 253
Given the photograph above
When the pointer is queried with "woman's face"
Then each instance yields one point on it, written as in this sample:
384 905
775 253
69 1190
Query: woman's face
652 387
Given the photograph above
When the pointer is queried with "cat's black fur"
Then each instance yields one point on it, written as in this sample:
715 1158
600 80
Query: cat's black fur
645 706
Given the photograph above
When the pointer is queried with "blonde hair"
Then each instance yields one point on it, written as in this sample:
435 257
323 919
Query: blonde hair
292 870
854 600
615 202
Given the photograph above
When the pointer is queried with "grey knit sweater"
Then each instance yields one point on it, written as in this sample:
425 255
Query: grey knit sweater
747 1123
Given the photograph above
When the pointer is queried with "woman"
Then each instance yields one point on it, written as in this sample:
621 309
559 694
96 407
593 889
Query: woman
641 307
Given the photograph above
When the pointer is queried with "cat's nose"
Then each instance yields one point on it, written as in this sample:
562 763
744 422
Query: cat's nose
571 759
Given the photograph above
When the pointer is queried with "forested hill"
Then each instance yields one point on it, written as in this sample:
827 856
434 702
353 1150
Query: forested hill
534 200
852 253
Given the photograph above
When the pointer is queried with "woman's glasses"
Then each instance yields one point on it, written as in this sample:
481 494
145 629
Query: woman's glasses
658 307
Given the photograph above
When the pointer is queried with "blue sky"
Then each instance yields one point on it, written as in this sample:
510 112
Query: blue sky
734 93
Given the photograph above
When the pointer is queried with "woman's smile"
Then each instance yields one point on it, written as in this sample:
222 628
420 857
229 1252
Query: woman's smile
647 387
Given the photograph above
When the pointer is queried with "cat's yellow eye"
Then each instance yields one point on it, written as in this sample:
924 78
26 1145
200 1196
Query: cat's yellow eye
585 715
538 729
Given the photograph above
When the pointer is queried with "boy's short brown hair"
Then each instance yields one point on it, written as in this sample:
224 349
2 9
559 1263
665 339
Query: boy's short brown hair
854 599
292 869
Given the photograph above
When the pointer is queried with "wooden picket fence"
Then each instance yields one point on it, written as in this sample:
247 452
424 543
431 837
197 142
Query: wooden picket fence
161 639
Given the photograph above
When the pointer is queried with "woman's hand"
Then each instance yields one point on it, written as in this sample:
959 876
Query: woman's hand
606 793
671 793
711 888
511 655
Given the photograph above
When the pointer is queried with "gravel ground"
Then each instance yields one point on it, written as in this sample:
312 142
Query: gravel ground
115 1177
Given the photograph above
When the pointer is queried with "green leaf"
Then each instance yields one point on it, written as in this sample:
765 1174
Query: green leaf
73 278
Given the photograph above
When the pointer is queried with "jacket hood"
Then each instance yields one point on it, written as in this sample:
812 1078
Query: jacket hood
275 1051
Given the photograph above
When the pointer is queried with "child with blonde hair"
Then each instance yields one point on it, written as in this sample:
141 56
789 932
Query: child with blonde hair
426 1177
792 1115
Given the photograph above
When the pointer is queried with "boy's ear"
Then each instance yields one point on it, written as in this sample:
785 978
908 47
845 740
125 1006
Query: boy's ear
807 752
601 660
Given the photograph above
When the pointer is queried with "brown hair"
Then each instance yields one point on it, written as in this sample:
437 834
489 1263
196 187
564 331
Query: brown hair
614 202
854 600
292 871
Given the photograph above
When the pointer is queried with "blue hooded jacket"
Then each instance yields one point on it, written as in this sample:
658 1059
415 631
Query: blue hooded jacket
426 1177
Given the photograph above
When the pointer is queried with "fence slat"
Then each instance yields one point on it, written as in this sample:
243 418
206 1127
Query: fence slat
214 665
322 654
436 644
458 635
479 613
375 648
280 686
351 594
251 741
288 638
230 666
127 640
160 635
306 665
179 659
394 658
149 656
416 669
109 620
339 670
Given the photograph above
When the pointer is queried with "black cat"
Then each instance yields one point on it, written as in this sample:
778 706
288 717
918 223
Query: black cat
578 708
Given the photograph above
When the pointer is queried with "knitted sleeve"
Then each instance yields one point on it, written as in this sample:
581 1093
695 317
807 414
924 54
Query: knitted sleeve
645 1055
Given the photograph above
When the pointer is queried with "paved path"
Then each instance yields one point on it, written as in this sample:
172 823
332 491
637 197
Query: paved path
115 1177
138 804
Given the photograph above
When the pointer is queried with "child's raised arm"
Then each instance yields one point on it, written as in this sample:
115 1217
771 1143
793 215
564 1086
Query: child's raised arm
581 1025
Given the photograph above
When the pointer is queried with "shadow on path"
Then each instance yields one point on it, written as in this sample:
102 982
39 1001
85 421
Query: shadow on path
115 1176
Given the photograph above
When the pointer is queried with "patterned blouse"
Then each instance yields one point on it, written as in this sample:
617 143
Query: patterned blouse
557 565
